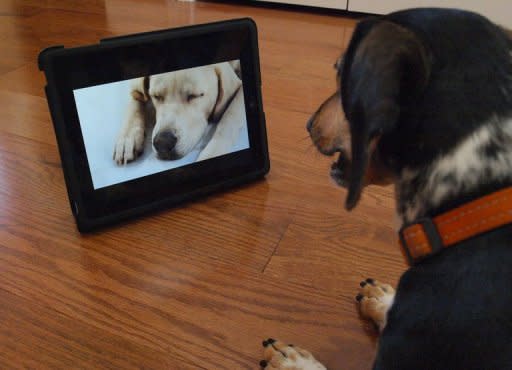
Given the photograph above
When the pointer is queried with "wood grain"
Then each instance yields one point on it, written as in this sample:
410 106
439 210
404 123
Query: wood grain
198 286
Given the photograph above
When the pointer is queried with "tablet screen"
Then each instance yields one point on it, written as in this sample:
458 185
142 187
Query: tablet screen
138 127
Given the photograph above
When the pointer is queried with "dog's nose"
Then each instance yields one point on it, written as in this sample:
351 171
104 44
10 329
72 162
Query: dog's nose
164 142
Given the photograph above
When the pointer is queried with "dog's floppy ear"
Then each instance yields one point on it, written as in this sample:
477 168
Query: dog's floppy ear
385 70
228 85
140 89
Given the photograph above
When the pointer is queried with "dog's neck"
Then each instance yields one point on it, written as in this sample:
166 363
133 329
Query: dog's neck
479 164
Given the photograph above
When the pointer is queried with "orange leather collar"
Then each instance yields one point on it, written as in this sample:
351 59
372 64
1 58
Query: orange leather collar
428 236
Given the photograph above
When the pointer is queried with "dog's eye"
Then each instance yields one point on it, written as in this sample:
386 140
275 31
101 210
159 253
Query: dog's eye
191 97
158 97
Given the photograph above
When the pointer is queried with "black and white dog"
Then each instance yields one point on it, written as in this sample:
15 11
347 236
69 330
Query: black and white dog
425 102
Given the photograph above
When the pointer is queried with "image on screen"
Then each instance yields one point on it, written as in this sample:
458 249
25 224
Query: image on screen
138 127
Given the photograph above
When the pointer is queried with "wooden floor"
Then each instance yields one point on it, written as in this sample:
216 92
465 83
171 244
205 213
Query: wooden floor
200 286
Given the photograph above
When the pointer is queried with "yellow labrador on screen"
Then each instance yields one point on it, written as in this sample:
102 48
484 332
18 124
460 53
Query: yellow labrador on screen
181 106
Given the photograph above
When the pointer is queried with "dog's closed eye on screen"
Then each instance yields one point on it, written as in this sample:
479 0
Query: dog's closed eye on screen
179 107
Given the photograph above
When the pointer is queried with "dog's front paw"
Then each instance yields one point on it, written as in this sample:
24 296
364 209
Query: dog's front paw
129 145
375 299
279 356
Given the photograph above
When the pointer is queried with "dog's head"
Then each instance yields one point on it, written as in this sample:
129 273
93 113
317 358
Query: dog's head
384 70
185 103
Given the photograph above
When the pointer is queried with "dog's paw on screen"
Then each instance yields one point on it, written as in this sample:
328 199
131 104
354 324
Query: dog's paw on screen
375 299
129 145
280 356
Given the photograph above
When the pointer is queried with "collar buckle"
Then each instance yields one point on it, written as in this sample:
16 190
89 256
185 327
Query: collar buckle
432 234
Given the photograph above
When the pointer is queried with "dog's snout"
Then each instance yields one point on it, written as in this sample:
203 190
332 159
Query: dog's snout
164 143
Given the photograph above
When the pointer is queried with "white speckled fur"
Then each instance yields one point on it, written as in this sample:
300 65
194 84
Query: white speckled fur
466 164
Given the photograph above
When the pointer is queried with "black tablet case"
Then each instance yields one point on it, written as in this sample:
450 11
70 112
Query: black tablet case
86 223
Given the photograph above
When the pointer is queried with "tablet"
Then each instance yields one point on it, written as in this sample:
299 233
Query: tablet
151 120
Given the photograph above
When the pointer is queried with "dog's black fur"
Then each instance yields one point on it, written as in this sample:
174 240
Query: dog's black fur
467 62
451 76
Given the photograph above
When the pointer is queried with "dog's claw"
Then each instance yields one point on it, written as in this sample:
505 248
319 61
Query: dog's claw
279 356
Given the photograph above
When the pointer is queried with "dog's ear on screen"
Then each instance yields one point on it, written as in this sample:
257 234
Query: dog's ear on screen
228 85
386 68
140 89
